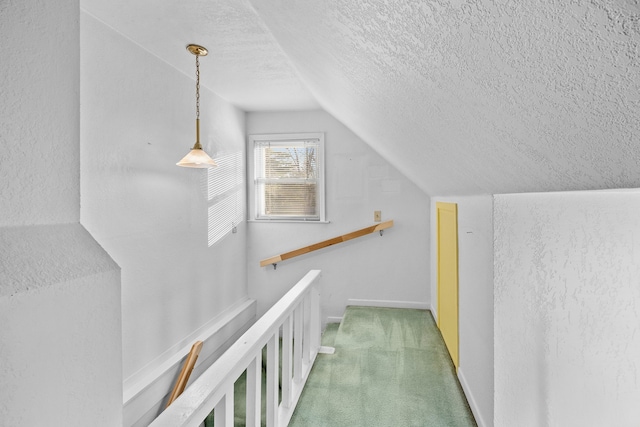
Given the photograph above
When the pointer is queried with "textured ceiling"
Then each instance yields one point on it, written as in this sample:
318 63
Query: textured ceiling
475 96
478 95
245 64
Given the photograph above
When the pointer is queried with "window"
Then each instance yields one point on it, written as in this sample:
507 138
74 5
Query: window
288 177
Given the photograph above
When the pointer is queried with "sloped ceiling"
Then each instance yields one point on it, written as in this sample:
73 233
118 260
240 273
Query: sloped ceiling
465 97
245 64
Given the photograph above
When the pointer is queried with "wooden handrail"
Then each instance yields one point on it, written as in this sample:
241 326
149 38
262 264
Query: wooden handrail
274 260
185 373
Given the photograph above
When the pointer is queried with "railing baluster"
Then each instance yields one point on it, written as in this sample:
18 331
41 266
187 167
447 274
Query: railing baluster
272 380
316 328
254 389
297 343
223 415
287 343
306 340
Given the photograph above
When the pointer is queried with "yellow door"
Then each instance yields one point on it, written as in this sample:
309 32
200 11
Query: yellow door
447 225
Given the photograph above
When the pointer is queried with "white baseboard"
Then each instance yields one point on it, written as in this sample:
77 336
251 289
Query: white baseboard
145 392
334 319
389 304
471 399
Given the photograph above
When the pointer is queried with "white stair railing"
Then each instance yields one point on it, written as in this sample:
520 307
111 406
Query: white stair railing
298 315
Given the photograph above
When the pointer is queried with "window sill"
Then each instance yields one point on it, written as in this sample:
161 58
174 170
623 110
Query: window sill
286 221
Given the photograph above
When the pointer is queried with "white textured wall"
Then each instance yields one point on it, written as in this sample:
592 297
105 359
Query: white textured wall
60 334
475 298
60 343
567 309
394 267
138 120
39 90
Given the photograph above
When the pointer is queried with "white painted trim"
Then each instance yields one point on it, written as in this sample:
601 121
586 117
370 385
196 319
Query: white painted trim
389 304
285 414
334 319
326 350
145 391
209 390
472 401
285 221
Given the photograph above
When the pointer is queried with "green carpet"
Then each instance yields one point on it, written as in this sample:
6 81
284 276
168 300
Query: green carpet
390 368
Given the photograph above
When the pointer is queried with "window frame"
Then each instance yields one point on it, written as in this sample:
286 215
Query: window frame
252 182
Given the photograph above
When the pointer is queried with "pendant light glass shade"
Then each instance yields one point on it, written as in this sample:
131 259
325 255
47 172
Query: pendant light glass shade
197 158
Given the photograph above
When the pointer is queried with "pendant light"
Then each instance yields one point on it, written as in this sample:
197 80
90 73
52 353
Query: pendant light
197 158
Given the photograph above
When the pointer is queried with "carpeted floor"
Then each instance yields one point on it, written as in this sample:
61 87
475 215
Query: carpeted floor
390 368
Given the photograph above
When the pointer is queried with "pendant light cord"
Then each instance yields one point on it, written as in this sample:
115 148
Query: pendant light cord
197 87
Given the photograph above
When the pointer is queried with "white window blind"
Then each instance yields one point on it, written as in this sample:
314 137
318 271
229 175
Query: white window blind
288 178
